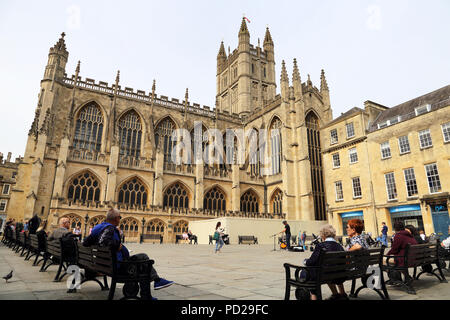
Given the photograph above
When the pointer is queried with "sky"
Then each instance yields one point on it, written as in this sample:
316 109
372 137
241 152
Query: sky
384 51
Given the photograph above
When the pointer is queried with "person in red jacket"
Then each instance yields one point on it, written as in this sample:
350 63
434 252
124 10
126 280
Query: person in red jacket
401 239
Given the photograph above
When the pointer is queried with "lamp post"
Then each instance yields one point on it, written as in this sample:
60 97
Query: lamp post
85 223
142 234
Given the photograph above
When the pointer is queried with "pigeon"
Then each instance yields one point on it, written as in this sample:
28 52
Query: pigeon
8 276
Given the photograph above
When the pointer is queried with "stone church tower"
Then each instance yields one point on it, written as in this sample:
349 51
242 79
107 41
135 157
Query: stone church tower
92 145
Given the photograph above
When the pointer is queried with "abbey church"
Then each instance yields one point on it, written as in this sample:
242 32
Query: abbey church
94 144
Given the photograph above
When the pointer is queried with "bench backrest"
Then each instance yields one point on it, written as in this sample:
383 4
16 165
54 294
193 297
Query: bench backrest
104 260
419 254
34 241
347 265
84 256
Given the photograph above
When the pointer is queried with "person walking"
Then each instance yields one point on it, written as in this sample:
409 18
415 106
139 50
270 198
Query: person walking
384 231
218 234
304 240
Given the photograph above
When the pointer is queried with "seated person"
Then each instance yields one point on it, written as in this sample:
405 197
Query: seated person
328 234
355 228
107 234
401 240
185 236
446 243
192 237
416 235
64 225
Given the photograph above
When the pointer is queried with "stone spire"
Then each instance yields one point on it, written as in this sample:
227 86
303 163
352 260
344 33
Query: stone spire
296 72
244 29
116 86
268 37
323 82
222 52
284 75
45 128
186 103
297 81
221 57
60 46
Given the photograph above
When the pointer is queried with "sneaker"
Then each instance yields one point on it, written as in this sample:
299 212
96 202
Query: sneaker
162 283
334 297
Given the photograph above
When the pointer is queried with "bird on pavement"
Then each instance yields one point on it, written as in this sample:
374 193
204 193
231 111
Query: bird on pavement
8 276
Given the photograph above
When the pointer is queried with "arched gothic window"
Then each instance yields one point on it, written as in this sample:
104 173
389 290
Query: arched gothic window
75 220
133 193
176 196
275 145
163 136
214 199
155 226
315 156
253 150
180 227
95 221
89 128
130 134
277 201
249 202
197 136
84 187
130 228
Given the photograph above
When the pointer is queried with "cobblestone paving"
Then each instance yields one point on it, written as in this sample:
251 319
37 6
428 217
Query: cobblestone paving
239 272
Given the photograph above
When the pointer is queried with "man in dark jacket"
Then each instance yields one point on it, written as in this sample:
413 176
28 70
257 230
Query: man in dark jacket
107 234
401 240
33 224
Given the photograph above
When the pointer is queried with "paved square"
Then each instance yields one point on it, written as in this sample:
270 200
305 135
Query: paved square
239 272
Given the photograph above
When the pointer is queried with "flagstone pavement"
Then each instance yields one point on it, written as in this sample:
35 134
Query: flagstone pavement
239 272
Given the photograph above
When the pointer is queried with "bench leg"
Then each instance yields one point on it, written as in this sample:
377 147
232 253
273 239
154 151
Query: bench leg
112 289
58 273
352 291
383 287
105 281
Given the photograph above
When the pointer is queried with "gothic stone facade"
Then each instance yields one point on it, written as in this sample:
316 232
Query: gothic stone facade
93 145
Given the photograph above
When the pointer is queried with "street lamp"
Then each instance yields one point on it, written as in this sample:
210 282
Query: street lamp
85 223
142 234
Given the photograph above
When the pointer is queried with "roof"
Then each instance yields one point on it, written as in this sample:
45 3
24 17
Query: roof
345 115
437 99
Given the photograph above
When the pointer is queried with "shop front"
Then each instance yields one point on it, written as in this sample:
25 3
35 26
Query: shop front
441 220
408 214
347 216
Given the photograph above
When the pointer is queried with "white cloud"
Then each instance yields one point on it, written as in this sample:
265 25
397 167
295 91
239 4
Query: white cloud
374 20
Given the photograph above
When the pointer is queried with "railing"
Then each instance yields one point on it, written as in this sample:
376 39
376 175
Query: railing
183 168
87 155
213 171
133 162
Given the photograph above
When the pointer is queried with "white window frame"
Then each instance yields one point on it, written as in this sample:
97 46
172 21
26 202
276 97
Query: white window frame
400 145
6 204
437 180
421 110
9 189
385 146
347 126
336 184
338 159
390 184
351 152
425 133
358 187
446 131
412 178
332 139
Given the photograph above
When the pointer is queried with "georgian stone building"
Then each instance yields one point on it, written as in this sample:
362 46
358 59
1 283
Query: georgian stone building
8 172
94 144
389 164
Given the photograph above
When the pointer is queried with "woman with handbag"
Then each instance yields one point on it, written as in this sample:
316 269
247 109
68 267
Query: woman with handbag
218 234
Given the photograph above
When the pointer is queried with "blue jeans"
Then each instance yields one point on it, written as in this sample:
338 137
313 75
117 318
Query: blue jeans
384 240
219 244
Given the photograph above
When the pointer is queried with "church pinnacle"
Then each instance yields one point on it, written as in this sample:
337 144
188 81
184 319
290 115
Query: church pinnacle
323 82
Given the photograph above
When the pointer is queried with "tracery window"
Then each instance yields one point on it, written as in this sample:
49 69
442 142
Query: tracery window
130 134
180 227
133 193
249 202
163 136
214 199
275 145
315 156
176 196
155 226
277 201
84 187
75 220
96 220
254 151
129 227
89 128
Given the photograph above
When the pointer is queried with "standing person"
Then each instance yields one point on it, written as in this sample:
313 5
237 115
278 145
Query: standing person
300 243
384 231
107 234
34 224
287 232
304 240
219 233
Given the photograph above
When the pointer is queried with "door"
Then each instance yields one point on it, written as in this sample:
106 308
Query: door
441 220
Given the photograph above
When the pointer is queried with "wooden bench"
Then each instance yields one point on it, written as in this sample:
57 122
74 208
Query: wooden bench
103 260
249 239
37 248
85 260
61 252
335 266
154 238
415 256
